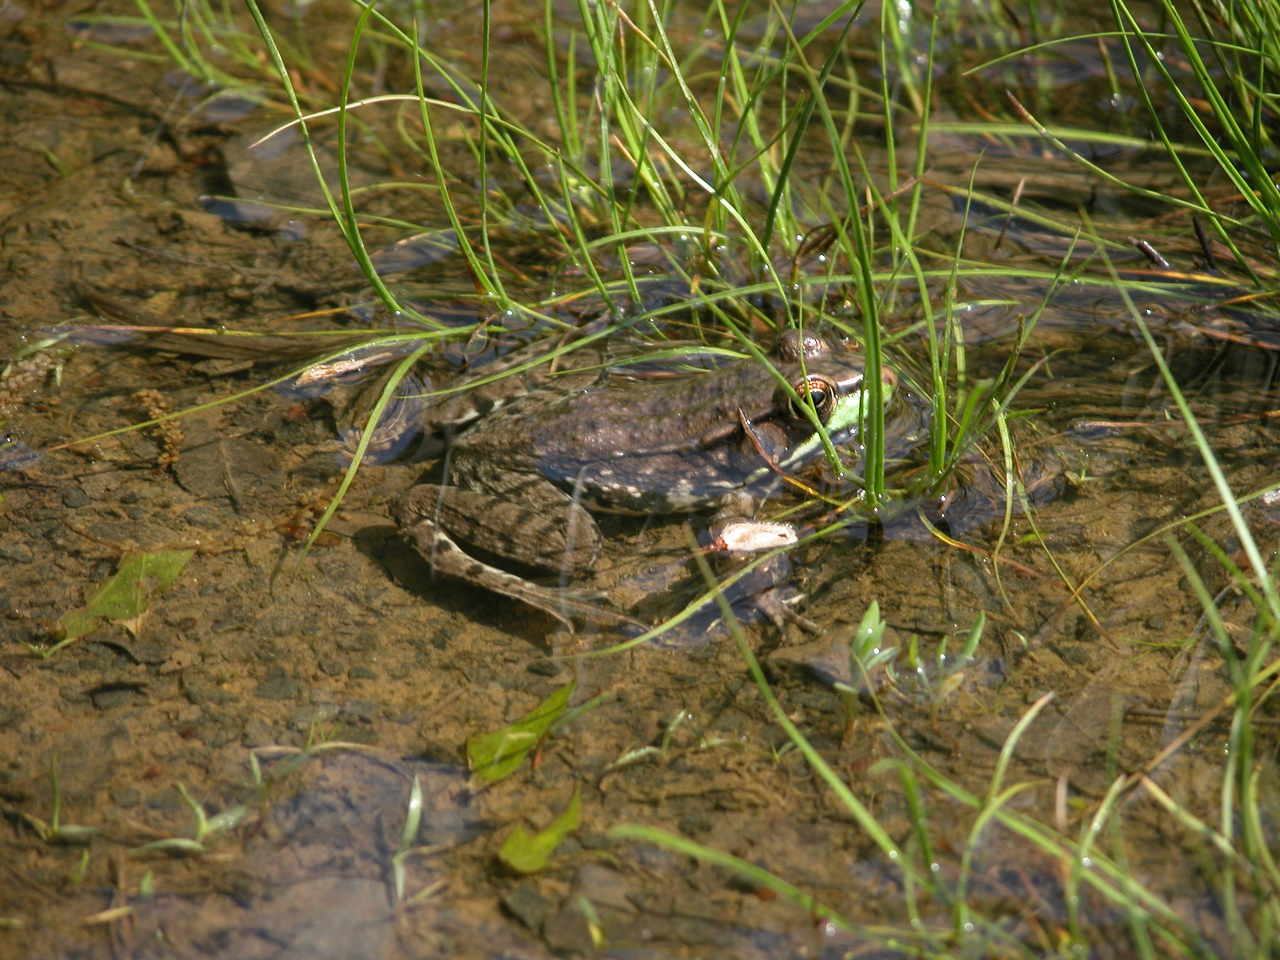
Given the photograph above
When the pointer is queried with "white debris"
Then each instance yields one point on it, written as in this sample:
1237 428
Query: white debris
751 536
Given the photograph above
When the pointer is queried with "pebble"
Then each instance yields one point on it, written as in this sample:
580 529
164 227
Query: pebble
74 498
16 552
203 516
278 685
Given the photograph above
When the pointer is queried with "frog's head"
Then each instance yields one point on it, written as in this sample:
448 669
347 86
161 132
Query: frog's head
828 383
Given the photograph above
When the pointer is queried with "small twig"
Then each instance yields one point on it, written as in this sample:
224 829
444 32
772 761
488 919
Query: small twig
1209 261
1151 253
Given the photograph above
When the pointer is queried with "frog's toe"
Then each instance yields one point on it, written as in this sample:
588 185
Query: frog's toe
779 606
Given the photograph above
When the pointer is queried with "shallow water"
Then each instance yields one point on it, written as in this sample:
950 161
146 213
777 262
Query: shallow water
258 651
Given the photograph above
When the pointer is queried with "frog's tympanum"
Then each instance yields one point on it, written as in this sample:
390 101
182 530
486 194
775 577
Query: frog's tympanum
524 480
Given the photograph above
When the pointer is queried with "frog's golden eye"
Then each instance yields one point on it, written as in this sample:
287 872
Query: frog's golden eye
823 391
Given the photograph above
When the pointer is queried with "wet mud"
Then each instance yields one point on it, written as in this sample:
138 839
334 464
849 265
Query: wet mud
308 691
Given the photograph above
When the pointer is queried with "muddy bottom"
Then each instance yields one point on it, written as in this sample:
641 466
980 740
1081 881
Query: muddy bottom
294 698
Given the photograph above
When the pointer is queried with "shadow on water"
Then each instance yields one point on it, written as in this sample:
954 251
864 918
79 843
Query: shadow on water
140 212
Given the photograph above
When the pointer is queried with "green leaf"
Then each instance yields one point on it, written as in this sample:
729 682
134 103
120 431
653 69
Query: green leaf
492 756
174 846
527 852
76 624
226 820
68 834
126 595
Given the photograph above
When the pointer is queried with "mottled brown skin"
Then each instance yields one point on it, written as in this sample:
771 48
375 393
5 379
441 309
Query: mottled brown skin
524 480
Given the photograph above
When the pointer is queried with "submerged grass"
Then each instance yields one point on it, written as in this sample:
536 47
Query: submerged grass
1252 668
1100 895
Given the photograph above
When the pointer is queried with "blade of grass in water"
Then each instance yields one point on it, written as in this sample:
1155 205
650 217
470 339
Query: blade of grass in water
852 233
1229 501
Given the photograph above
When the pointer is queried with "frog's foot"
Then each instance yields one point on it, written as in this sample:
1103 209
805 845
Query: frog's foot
778 604
569 606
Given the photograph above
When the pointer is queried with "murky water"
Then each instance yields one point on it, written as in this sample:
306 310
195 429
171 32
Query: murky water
257 651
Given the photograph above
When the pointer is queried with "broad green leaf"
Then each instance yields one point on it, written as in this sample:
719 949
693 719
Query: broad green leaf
126 595
77 623
492 756
527 852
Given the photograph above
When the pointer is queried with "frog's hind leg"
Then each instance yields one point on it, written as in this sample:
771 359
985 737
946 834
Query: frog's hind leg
534 524
431 516
569 606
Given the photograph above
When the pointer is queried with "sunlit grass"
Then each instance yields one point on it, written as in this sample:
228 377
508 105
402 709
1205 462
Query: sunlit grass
1206 78
713 192
1228 101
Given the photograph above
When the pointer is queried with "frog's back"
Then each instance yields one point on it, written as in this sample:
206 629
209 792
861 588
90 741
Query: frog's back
669 443
623 416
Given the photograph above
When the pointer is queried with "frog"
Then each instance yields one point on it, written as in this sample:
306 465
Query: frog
524 481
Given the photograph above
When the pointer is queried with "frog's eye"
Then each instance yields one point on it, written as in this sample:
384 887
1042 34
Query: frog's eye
823 391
